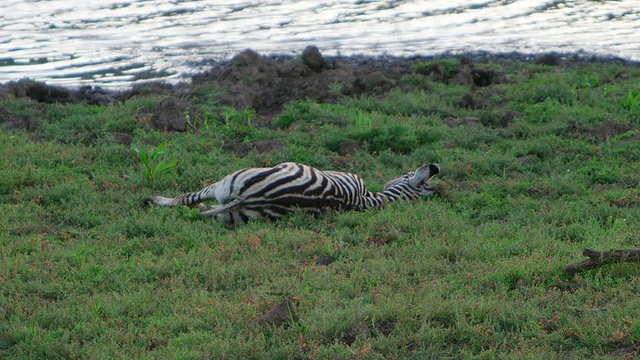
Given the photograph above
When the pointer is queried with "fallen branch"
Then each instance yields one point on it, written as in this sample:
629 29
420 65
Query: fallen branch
599 258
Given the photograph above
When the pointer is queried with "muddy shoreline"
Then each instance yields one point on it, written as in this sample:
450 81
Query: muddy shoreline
266 83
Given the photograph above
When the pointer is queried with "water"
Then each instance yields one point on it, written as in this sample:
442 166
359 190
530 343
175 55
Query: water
117 43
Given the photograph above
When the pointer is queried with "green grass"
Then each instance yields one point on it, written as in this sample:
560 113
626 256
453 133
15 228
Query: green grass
87 271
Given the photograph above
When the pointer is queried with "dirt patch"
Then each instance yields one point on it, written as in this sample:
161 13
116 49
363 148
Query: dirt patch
170 114
626 201
282 314
362 329
27 121
266 84
609 129
600 132
359 328
325 261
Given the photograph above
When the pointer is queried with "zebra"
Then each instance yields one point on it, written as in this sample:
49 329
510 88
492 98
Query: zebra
270 193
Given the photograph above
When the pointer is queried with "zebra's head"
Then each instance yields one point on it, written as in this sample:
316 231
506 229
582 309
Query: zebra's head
415 183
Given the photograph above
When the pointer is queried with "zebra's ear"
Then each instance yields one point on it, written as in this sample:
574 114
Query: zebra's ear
424 174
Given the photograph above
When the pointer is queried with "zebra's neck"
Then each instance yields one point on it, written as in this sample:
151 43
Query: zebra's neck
377 199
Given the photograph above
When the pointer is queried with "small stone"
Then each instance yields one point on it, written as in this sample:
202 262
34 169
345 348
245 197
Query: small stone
312 57
247 57
482 77
548 59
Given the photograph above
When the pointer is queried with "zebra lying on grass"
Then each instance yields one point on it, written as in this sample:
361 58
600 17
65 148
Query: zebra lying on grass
259 193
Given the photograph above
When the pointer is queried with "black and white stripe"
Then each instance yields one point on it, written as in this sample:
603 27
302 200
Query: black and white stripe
259 193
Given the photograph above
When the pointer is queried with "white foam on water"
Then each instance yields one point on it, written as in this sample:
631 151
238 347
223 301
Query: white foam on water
117 43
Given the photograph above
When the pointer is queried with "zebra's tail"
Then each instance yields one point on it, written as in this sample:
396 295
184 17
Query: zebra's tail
161 201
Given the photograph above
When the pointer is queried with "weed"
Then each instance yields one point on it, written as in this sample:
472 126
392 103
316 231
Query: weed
154 169
336 88
631 101
238 124
363 121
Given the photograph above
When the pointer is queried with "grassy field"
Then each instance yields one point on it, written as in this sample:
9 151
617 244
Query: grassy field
548 164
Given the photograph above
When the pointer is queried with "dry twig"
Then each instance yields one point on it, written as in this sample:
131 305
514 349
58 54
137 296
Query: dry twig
599 258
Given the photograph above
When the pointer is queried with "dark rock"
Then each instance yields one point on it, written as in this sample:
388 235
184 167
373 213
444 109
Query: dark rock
463 77
549 59
466 101
169 115
482 77
246 58
47 94
435 71
94 95
282 314
312 57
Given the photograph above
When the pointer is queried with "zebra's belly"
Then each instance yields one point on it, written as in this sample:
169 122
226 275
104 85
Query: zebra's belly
273 209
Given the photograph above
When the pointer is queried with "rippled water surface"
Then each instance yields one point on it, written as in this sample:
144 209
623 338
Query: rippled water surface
116 43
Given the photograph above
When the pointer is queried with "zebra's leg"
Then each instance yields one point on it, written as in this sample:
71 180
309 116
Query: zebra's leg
189 199
219 209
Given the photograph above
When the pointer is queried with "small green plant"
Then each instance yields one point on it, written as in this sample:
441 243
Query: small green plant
362 121
631 101
198 123
237 124
148 159
586 81
336 88
449 67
